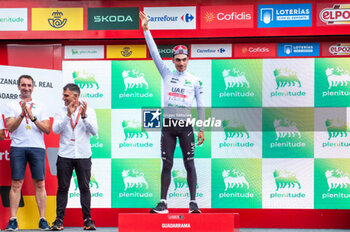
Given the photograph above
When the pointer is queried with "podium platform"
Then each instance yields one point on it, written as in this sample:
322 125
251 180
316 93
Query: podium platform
205 222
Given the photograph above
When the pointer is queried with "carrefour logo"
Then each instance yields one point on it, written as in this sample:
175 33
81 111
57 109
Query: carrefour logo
211 50
187 17
174 18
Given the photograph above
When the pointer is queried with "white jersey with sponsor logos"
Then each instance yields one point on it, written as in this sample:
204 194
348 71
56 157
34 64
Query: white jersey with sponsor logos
180 88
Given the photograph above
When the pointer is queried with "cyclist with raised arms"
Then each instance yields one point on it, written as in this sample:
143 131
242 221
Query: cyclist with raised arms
180 89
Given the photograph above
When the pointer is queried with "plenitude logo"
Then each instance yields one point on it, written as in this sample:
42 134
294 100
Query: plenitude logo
231 16
135 80
135 182
235 184
237 79
84 52
332 183
332 83
286 180
13 19
288 132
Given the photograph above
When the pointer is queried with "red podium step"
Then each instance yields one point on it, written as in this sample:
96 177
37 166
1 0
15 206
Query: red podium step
205 222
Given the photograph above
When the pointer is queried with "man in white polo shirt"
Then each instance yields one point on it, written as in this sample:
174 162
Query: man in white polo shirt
75 123
27 120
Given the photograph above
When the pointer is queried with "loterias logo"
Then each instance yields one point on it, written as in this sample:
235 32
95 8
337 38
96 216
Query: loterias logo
254 50
240 16
285 15
338 14
298 49
113 18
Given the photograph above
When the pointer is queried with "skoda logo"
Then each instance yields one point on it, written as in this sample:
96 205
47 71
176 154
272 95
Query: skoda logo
56 21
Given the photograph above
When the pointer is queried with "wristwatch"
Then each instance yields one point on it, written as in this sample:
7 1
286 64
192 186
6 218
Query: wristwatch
34 119
84 116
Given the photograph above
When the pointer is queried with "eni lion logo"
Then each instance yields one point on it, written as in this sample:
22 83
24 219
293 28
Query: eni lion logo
134 179
285 179
337 76
56 21
286 77
234 179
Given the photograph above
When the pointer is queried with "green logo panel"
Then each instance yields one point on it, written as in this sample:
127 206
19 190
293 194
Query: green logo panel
236 183
101 143
135 183
288 133
135 84
332 76
237 83
332 183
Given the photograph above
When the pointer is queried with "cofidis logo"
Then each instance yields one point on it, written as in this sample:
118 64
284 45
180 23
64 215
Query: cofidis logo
285 15
169 18
298 49
240 16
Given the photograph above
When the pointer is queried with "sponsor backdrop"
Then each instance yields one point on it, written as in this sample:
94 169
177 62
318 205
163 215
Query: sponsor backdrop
282 141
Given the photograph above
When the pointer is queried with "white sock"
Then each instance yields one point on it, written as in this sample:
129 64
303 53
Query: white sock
163 200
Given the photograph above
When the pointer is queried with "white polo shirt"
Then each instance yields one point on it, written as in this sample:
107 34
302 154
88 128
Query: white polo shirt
27 134
75 144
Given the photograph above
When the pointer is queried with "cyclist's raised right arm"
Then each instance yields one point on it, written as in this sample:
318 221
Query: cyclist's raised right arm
162 68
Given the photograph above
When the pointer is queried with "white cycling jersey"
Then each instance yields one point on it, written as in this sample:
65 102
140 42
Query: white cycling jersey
180 88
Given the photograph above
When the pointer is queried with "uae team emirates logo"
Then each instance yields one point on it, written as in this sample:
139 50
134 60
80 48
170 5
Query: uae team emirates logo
339 14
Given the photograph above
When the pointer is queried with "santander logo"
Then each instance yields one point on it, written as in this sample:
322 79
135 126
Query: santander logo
339 14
